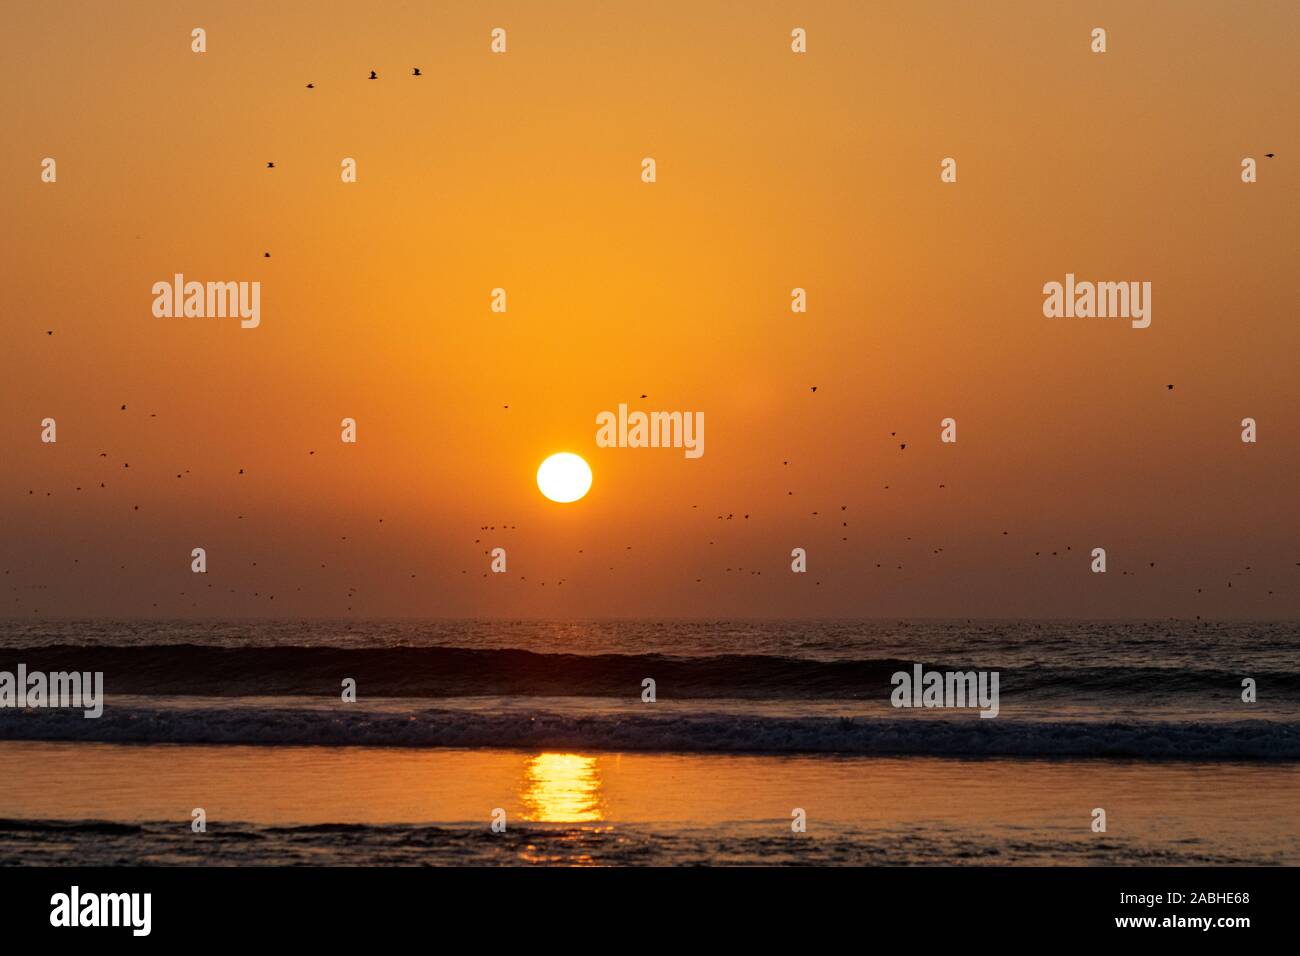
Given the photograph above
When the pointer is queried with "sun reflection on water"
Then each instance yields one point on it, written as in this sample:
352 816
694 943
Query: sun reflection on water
562 788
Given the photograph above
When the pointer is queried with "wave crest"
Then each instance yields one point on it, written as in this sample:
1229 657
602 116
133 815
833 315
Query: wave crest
677 732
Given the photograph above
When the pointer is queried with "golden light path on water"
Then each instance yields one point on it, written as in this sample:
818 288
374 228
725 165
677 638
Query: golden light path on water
562 788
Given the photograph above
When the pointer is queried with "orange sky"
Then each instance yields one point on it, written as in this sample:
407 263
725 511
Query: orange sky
774 171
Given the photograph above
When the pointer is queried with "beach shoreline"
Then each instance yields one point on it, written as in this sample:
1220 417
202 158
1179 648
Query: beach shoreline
133 803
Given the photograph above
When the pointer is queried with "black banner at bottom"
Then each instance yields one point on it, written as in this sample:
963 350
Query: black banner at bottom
331 905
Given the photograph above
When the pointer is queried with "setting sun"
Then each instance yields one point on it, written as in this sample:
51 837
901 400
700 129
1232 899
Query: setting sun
564 477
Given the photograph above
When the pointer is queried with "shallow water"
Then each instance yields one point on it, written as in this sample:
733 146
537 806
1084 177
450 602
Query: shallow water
362 806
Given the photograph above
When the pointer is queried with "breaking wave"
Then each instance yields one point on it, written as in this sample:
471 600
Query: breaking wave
969 736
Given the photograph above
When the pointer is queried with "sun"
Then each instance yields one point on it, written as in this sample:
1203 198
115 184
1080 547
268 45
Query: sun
564 477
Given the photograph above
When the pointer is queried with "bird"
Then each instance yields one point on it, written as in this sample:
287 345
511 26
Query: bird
814 388
1269 155
374 75
266 255
311 86
1170 387
50 332
416 72
270 165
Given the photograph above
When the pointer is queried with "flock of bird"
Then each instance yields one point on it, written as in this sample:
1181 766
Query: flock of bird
353 591
492 535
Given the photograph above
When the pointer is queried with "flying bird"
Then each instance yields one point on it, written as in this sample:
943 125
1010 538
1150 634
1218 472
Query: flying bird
1269 155
416 72
311 86
374 75
270 165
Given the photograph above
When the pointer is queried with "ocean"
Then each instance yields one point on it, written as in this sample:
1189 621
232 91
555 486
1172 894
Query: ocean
752 722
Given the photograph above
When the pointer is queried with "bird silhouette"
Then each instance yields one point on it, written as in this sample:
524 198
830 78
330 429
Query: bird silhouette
814 388
1269 155
311 86
270 165
374 75
416 72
